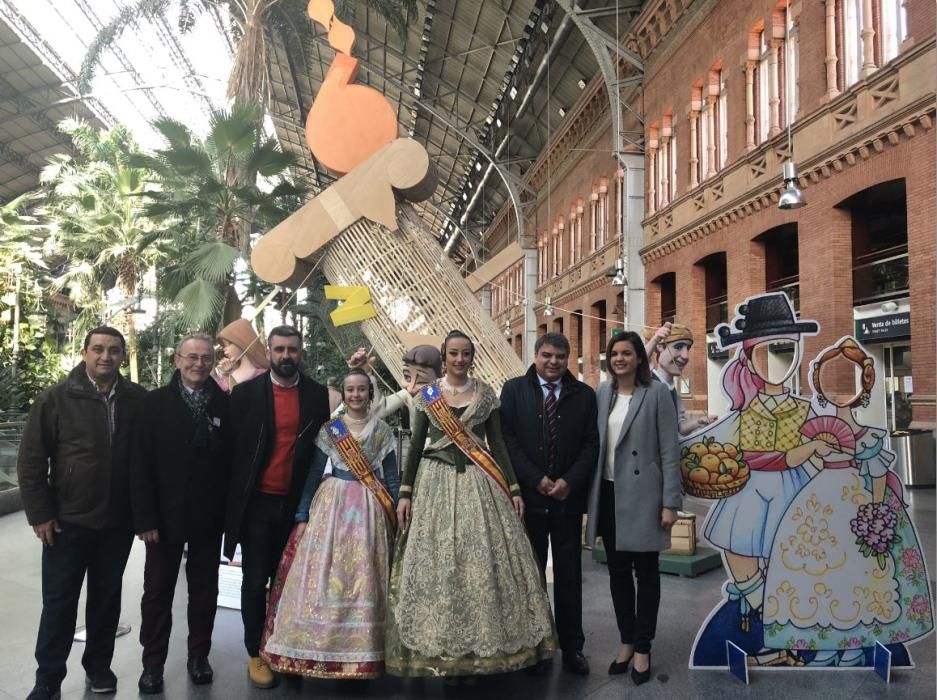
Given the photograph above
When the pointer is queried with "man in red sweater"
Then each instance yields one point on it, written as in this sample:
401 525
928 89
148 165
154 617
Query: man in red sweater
277 416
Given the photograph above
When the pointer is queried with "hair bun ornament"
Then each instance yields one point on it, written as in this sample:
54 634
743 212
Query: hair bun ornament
740 324
743 310
724 331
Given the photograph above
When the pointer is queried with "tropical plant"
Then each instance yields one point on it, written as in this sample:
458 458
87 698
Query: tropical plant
213 194
29 361
95 213
254 23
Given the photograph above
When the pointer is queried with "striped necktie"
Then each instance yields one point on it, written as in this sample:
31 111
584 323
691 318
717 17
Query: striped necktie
549 407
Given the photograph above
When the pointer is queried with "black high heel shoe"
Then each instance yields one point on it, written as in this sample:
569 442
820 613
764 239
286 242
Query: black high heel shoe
619 667
641 677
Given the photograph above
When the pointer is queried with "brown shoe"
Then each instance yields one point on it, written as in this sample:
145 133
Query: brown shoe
259 673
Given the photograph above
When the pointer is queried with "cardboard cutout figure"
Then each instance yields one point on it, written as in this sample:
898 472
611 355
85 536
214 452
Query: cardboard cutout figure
846 569
759 463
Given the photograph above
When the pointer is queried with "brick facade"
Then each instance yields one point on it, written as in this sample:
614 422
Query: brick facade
845 141
872 132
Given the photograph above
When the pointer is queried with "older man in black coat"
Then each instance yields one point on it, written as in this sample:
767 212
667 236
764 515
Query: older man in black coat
551 431
178 477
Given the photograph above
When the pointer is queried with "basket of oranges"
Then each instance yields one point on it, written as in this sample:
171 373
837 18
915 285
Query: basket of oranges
713 470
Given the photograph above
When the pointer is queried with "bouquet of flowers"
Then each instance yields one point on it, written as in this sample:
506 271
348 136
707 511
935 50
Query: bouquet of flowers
874 528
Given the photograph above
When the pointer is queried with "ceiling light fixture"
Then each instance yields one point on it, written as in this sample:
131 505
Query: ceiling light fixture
619 279
792 197
548 311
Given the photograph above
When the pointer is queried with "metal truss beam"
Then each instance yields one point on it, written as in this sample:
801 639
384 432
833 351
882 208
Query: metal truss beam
32 39
19 159
604 47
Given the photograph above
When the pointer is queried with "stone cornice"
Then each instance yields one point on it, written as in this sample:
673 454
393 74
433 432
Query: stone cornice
656 21
901 126
584 276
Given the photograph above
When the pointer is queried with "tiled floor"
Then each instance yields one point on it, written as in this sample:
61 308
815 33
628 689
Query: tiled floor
685 602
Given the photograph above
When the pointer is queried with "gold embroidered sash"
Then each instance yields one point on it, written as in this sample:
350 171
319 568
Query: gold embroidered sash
351 454
455 430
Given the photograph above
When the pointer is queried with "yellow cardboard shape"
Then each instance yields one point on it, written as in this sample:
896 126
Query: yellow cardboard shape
356 306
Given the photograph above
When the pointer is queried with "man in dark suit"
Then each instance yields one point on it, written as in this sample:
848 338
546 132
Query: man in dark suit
178 481
549 422
276 417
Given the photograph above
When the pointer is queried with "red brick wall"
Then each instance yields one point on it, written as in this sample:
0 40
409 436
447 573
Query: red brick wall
554 200
721 38
825 257
921 186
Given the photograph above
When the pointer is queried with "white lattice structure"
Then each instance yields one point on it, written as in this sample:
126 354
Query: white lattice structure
415 289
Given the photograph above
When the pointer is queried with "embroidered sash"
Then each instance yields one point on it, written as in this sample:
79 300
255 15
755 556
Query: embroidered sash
351 454
455 430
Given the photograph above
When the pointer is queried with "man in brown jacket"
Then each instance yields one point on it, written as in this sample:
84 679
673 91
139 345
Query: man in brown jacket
74 481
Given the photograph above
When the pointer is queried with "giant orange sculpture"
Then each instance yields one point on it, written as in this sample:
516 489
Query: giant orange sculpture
364 235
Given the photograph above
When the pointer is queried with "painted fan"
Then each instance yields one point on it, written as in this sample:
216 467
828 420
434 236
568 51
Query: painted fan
830 429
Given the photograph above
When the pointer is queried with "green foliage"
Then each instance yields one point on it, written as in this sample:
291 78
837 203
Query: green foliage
155 347
25 374
28 359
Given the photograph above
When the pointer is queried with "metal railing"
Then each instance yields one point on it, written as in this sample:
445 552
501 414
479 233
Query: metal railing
717 311
11 429
881 275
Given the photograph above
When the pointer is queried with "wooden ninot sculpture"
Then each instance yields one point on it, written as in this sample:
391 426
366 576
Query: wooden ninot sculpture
357 228
282 255
347 123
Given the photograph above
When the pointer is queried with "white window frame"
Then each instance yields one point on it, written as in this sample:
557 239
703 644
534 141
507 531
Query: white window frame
763 124
852 41
894 29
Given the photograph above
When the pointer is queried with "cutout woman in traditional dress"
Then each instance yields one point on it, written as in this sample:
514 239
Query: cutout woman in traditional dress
327 607
466 596
846 570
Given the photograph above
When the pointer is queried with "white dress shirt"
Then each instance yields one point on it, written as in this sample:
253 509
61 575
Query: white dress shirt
616 419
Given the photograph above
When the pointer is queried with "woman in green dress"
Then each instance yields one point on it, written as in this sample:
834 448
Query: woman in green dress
466 595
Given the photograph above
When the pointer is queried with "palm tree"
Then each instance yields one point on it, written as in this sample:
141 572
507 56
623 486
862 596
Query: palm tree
212 194
254 22
96 215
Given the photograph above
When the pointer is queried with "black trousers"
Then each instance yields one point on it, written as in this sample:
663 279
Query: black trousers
267 526
159 587
636 614
565 536
102 555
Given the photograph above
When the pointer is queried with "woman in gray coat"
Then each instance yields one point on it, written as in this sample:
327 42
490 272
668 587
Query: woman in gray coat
635 494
